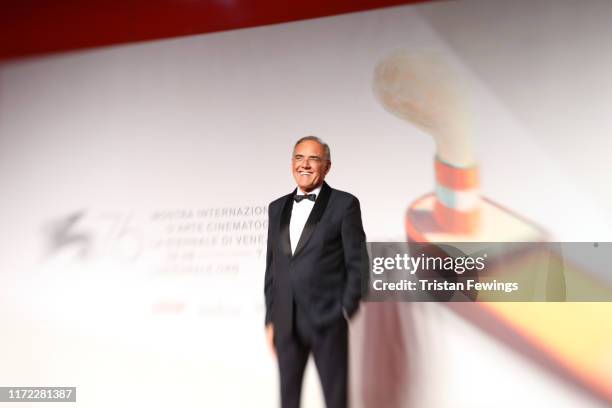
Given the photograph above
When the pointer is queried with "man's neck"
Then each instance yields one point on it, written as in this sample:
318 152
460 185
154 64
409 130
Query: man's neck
314 190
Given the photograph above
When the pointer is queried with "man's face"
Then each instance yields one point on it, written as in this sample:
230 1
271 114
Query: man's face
309 165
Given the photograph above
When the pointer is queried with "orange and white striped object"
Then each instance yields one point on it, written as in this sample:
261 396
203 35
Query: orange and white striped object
457 206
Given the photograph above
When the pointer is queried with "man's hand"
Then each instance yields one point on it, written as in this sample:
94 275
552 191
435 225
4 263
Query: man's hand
270 338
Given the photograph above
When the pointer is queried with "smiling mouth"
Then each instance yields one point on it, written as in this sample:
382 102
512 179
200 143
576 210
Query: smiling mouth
303 173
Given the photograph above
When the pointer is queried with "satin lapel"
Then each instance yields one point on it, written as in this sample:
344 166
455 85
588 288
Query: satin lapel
314 217
284 225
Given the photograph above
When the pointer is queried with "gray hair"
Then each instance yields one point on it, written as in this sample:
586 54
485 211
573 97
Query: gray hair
319 141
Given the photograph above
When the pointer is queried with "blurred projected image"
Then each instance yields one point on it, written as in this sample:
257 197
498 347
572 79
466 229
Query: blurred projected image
421 88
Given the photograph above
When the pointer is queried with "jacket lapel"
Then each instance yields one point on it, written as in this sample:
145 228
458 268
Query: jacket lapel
313 218
284 224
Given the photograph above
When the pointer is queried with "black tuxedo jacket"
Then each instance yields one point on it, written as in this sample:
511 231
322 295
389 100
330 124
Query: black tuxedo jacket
323 276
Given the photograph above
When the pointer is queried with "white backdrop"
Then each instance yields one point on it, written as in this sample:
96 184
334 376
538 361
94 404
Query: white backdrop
134 182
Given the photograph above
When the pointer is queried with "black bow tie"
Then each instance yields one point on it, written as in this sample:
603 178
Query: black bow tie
300 197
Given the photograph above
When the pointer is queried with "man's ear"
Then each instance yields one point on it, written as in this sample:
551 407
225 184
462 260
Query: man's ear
328 167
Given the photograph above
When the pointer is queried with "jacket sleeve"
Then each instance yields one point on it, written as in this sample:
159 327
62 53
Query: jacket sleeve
355 257
269 276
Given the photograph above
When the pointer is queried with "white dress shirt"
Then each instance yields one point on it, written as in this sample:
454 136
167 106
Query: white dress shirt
299 216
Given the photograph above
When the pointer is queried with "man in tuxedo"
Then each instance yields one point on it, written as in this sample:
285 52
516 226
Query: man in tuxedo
315 257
